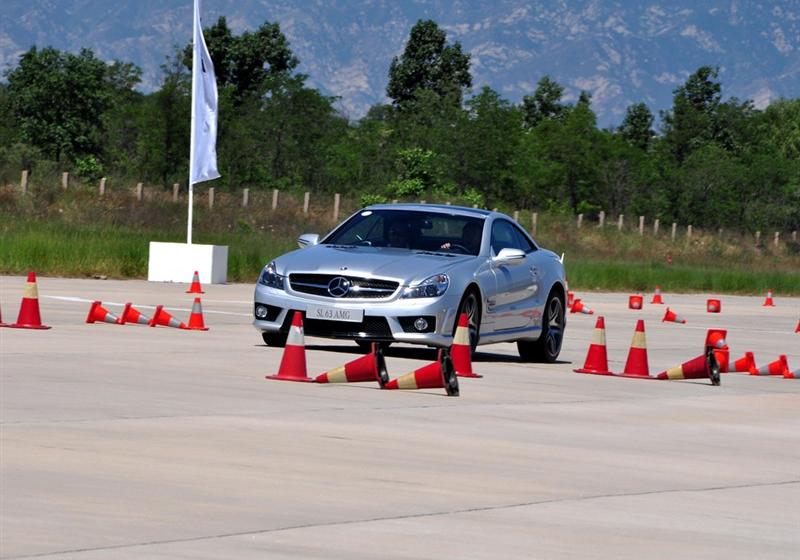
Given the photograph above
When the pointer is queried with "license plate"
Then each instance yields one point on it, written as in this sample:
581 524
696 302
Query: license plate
327 313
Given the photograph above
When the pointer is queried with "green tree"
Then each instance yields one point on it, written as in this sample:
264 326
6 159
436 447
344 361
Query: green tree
637 126
690 123
545 103
429 63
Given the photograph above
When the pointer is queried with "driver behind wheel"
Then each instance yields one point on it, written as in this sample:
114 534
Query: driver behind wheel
470 238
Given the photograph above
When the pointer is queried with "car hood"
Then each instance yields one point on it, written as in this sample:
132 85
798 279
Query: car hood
381 262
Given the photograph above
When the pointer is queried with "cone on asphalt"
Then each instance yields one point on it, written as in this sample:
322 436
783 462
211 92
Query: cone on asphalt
438 374
778 367
371 367
579 307
745 364
163 318
702 367
768 301
792 374
671 317
196 317
597 357
635 302
195 288
132 315
29 316
461 349
98 313
636 364
570 298
715 338
713 306
657 296
293 361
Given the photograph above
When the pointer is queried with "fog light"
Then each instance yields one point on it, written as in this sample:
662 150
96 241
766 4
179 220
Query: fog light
420 324
261 311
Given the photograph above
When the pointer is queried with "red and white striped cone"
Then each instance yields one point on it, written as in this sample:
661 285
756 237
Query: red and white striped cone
570 299
713 306
196 317
597 356
461 349
745 364
438 374
164 319
715 340
132 315
579 307
29 316
792 374
778 367
635 302
636 364
293 361
371 367
195 288
671 317
701 367
768 302
99 313
657 296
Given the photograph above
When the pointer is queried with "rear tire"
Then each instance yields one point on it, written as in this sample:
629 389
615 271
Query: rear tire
275 339
547 348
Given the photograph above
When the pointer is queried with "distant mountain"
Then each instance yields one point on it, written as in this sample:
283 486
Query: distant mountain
621 51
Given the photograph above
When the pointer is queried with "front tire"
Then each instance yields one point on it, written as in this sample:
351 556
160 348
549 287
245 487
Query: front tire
470 304
547 348
275 339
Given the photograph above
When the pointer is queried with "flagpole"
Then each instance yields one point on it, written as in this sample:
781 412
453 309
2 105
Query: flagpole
191 143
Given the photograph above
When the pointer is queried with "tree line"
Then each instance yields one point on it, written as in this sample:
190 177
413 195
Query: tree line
711 161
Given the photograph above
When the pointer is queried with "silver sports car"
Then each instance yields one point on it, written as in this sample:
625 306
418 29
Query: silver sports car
405 272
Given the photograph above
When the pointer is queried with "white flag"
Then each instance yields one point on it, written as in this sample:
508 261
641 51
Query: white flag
203 150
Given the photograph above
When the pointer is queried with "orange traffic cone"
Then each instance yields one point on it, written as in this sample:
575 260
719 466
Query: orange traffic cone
778 367
570 298
132 315
713 306
579 307
161 317
791 374
671 317
597 357
657 296
715 338
195 287
371 367
432 376
99 313
293 362
768 302
636 364
196 317
745 364
29 317
635 302
461 349
701 367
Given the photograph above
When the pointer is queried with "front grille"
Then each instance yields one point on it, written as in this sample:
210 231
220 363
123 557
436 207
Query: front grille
362 288
375 328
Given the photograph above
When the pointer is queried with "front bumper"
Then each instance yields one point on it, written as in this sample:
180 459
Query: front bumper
386 320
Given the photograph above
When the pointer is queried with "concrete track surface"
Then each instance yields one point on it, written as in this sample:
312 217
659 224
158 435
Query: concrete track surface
134 442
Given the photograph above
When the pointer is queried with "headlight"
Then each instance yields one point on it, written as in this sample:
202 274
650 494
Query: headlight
434 286
271 278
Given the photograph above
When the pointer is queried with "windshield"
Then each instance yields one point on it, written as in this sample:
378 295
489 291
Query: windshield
412 230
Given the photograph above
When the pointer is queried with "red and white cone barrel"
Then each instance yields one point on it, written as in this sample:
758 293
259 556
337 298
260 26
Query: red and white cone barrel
293 362
99 313
768 301
597 356
371 367
745 364
579 307
635 302
438 374
792 374
29 316
713 306
195 288
636 364
778 367
164 319
196 317
132 315
657 296
461 349
671 317
570 299
701 367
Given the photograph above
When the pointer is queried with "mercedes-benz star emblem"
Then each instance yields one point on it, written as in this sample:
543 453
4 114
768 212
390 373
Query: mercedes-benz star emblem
339 286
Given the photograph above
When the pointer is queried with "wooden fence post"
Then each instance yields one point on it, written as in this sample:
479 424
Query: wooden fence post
777 238
23 181
449 203
306 200
580 221
534 223
176 188
65 180
689 232
656 223
211 197
245 198
620 221
102 188
336 199
423 201
674 230
602 219
758 238
794 235
139 192
274 199
641 225
516 216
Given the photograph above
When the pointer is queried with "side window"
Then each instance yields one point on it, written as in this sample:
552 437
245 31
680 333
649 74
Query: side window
522 241
503 236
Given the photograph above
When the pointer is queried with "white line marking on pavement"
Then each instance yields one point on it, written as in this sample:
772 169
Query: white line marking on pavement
112 303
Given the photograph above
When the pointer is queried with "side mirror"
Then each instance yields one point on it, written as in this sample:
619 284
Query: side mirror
307 240
509 256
